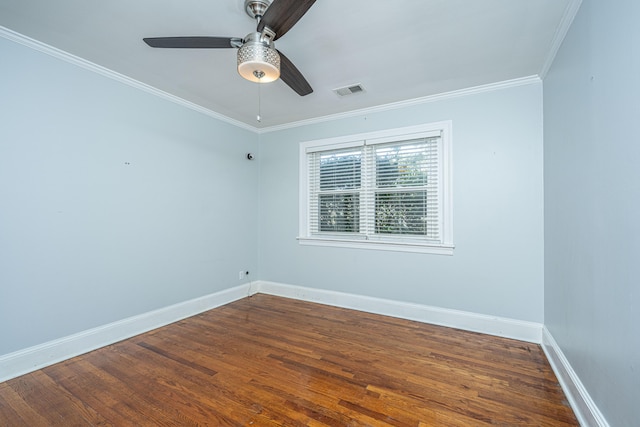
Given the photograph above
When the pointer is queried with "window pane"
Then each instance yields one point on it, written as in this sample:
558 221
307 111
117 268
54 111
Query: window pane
379 190
339 213
402 165
340 170
402 213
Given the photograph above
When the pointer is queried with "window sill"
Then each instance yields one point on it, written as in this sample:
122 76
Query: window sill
379 245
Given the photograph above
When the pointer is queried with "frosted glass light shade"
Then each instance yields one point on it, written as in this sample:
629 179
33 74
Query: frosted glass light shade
258 62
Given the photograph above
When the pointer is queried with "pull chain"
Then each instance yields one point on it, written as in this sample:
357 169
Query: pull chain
259 101
259 74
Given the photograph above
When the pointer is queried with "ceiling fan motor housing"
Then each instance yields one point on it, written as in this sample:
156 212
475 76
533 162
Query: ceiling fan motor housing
256 8
258 60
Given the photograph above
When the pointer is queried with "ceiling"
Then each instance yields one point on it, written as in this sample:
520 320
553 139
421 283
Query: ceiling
398 50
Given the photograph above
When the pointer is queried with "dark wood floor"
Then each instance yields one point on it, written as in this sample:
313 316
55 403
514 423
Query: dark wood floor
266 360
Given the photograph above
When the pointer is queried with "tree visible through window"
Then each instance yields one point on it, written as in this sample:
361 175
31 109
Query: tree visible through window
383 190
339 193
401 189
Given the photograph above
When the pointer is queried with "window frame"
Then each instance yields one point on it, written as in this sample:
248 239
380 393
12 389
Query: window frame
397 242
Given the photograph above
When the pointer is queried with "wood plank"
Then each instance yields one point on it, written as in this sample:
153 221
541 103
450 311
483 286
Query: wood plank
16 411
107 395
269 361
53 403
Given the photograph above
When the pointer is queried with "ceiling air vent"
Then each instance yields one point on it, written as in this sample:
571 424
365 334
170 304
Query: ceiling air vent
349 90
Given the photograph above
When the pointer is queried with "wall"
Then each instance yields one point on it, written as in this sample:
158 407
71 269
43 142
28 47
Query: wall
497 267
592 204
113 202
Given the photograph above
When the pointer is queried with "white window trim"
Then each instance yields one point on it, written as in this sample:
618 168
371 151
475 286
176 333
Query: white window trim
444 248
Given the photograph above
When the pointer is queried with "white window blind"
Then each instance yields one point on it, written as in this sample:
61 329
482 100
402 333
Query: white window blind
380 190
402 193
335 178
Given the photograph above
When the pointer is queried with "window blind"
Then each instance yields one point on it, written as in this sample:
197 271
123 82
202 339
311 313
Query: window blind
377 191
403 189
335 179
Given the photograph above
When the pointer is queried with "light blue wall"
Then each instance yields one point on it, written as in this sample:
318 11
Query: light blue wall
497 268
113 202
592 204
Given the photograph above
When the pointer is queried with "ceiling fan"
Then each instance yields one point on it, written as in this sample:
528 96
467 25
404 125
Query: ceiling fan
258 59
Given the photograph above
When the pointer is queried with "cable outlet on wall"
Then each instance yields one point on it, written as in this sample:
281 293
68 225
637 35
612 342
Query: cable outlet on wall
243 274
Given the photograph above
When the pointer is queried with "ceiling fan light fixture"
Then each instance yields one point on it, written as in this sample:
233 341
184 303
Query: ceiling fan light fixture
257 58
258 62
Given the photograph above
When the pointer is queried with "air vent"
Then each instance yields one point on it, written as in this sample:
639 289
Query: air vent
349 90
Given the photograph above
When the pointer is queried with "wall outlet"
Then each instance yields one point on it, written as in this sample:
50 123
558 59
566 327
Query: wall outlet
241 275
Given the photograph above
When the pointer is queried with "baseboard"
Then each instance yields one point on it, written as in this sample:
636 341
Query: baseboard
33 358
28 360
492 325
583 406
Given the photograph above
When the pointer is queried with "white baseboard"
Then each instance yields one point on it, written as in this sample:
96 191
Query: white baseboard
492 325
30 359
583 406
33 358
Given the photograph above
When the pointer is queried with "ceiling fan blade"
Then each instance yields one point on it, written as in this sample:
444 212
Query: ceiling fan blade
281 15
193 42
293 77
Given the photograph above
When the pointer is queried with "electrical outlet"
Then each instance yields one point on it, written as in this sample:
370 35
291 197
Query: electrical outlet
241 274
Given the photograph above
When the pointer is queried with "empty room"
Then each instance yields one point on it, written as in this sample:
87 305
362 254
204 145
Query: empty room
319 213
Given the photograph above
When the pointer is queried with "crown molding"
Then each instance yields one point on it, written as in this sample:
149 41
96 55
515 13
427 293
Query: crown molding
88 65
65 56
561 32
408 103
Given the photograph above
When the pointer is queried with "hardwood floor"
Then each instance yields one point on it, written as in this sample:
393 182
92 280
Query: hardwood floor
266 361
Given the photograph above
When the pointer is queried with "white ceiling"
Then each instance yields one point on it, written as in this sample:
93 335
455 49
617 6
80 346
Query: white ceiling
398 49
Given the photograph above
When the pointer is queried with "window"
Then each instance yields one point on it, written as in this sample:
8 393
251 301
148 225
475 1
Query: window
387 190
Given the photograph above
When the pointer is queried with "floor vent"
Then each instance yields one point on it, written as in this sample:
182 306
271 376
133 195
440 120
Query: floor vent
349 90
